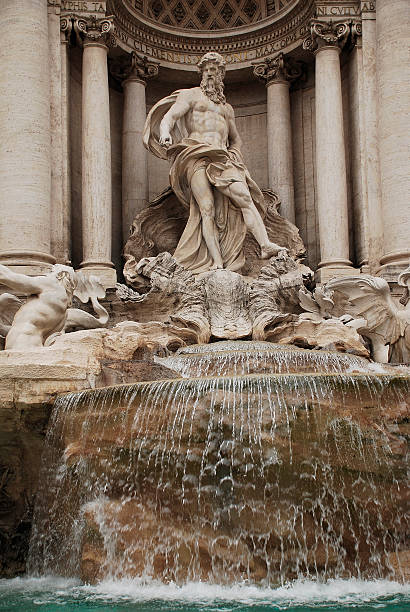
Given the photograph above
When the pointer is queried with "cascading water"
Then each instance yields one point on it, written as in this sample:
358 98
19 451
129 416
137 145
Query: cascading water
263 463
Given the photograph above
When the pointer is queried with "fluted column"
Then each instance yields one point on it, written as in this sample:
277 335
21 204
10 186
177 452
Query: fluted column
370 129
96 151
25 137
393 24
59 30
325 41
65 25
278 73
133 73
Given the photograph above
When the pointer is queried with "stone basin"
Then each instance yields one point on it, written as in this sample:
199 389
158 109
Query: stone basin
263 477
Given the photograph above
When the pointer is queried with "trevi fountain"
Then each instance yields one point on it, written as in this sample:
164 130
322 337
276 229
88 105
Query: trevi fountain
204 305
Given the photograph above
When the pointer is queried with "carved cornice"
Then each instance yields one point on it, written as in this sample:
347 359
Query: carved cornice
277 69
133 66
326 34
92 30
242 45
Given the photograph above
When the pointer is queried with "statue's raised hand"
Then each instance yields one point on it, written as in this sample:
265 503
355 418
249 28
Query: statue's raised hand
165 140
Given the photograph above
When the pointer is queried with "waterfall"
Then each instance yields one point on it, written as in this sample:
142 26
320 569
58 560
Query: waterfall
262 463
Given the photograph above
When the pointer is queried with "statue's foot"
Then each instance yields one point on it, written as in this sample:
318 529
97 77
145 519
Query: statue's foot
271 249
216 266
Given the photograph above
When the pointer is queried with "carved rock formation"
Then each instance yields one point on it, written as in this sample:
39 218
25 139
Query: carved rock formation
29 384
219 303
364 303
158 228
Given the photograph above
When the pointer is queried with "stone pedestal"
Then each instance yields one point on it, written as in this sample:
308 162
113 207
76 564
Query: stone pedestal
393 23
96 153
325 41
25 137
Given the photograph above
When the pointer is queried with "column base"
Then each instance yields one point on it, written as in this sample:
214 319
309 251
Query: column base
393 265
106 276
324 275
31 263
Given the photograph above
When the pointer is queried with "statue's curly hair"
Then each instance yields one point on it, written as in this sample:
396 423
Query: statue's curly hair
66 275
212 56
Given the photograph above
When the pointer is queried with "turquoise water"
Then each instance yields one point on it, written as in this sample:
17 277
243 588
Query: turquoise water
54 594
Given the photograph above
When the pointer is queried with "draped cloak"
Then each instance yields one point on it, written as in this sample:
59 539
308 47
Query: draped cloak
223 167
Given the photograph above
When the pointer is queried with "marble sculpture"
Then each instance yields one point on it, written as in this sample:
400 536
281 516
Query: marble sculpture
195 129
47 310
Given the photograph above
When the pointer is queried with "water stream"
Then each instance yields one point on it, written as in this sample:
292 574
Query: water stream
245 473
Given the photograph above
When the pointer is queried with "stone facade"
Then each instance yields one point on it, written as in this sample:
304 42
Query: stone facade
320 98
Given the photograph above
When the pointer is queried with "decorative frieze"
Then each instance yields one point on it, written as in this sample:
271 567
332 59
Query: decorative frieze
326 34
277 68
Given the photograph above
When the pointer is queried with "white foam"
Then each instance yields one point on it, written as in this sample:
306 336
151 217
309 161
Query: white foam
308 592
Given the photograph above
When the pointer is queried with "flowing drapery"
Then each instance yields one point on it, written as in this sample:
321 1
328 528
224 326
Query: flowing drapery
223 167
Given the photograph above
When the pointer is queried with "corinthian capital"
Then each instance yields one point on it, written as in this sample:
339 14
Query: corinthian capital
134 66
277 68
66 27
326 34
93 30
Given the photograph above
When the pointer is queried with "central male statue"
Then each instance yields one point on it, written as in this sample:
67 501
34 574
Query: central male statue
195 129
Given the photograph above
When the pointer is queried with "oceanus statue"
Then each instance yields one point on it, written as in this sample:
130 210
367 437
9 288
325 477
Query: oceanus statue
195 130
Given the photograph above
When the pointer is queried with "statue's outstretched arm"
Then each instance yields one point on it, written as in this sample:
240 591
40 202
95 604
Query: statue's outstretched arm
177 110
20 282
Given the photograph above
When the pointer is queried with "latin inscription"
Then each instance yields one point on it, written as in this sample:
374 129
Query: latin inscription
191 59
82 6
344 11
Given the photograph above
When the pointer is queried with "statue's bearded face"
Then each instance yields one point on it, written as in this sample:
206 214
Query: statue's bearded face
212 84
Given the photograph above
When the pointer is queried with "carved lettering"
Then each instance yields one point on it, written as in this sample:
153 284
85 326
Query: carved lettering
81 6
337 11
231 57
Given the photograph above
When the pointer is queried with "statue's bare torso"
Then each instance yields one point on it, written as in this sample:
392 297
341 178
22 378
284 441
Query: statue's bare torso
207 121
211 121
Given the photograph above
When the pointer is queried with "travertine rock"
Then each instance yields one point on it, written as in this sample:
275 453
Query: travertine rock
30 380
219 303
329 479
329 334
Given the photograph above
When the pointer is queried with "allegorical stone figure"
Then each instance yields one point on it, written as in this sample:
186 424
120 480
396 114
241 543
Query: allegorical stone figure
44 313
195 129
47 310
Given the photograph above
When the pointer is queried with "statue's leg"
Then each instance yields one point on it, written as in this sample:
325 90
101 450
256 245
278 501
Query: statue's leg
238 193
202 192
